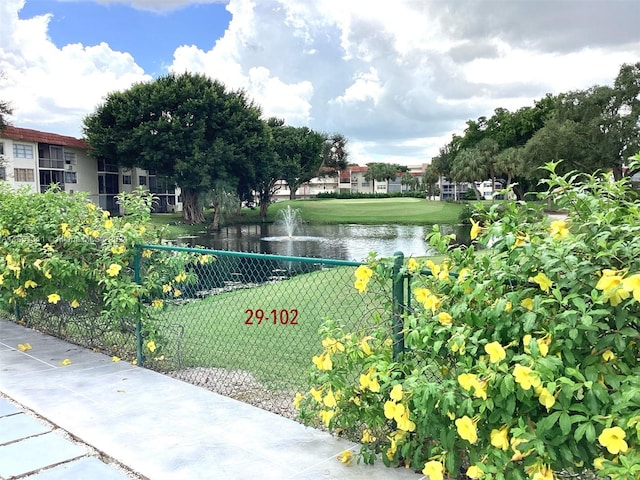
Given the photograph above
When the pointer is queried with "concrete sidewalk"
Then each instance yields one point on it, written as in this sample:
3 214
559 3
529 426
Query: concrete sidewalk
103 420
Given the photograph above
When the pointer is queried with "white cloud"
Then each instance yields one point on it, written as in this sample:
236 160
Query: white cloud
54 88
397 78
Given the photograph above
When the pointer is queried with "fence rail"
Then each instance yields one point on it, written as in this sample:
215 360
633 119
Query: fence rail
245 326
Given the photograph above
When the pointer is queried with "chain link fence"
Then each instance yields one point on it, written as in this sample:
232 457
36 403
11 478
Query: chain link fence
247 327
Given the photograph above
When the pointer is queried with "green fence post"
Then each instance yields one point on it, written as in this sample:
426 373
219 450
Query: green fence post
398 302
136 276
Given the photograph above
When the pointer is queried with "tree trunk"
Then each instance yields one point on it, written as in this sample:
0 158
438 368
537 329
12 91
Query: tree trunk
264 206
191 212
215 225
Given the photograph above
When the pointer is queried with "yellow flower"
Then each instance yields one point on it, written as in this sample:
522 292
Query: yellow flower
361 285
146 253
421 294
558 229
37 264
543 281
1 279
527 303
74 303
91 207
613 440
520 240
525 377
329 400
157 303
611 284
47 274
396 393
332 345
496 352
404 423
598 463
364 345
166 288
106 214
546 398
467 429
467 380
108 224
632 284
434 470
30 284
114 269
367 437
118 250
432 302
544 473
608 356
391 408
204 259
368 381
296 401
500 438
181 277
323 361
64 228
176 292
316 394
346 457
445 319
475 229
53 298
95 233
326 416
65 362
23 347
412 265
115 359
363 272
474 472
151 345
441 272
20 292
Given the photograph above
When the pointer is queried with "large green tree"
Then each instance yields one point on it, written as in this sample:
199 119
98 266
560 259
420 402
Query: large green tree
430 179
380 171
187 127
299 151
335 156
5 111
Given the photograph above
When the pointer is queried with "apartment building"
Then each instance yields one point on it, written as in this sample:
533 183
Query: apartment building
36 160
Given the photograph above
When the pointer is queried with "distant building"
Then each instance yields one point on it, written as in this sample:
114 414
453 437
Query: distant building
35 159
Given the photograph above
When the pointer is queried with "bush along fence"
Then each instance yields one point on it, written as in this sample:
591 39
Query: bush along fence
521 350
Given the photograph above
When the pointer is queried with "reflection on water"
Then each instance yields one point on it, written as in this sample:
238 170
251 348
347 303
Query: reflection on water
341 242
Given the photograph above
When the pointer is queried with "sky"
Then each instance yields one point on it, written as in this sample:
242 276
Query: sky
396 77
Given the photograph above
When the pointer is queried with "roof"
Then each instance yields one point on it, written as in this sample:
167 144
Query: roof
28 135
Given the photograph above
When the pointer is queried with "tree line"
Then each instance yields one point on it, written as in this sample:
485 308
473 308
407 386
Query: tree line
589 130
211 141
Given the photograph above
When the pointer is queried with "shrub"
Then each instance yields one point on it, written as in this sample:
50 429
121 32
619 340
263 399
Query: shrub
63 252
521 357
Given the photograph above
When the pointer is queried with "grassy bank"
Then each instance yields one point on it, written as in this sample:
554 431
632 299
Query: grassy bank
404 211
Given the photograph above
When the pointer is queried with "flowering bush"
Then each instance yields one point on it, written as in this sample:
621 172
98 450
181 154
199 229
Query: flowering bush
521 356
63 251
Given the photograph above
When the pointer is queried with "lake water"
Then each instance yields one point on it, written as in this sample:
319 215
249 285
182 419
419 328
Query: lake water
340 242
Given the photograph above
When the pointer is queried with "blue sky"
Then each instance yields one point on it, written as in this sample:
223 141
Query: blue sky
151 37
397 78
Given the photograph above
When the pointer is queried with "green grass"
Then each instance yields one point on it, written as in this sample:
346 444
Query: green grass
403 211
216 333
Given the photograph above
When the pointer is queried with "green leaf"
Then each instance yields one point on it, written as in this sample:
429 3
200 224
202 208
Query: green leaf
590 433
565 423
547 423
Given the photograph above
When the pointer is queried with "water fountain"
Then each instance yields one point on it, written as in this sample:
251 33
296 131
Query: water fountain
291 218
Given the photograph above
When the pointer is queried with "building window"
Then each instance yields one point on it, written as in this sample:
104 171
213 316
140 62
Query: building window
1 148
381 187
70 158
21 150
365 184
126 179
23 174
3 172
142 180
70 177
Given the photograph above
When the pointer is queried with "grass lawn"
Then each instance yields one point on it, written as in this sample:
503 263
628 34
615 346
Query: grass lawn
216 330
405 211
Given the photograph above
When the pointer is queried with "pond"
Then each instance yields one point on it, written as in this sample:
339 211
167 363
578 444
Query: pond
341 242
